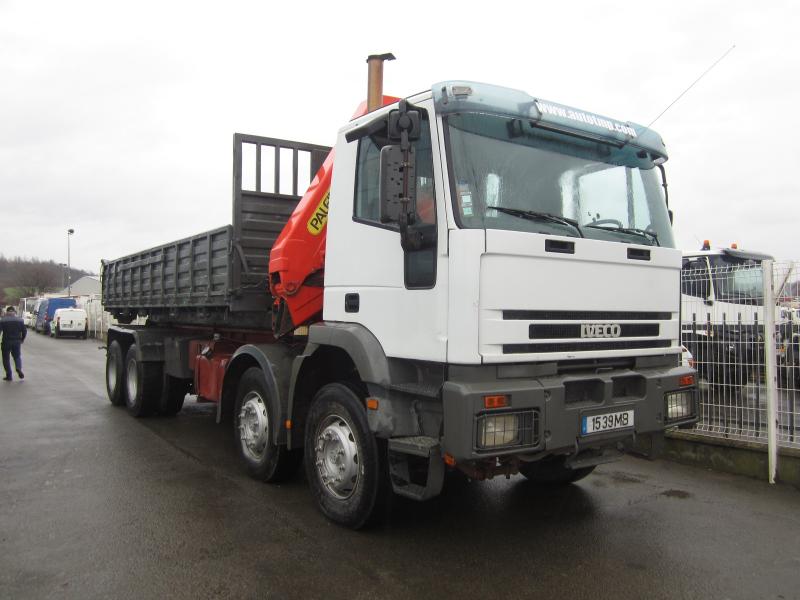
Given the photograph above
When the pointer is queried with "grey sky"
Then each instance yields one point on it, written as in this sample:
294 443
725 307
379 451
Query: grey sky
117 119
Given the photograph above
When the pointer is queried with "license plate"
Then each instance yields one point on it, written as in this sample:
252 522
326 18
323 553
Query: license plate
606 422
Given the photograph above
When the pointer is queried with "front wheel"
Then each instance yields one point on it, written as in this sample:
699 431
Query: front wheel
345 464
253 427
553 471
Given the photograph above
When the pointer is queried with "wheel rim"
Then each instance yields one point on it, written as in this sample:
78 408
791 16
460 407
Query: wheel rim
337 457
133 381
111 374
254 426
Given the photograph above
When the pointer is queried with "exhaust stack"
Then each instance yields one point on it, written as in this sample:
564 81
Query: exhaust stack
375 81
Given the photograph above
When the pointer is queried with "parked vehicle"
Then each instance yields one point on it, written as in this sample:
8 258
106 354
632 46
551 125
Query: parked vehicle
69 322
489 283
47 309
722 303
35 313
25 309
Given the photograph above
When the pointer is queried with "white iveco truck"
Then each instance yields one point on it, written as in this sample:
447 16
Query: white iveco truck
499 293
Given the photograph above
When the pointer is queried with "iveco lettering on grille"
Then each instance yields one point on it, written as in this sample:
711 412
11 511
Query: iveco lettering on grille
600 330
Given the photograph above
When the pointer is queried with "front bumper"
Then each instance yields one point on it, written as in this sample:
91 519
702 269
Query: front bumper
549 410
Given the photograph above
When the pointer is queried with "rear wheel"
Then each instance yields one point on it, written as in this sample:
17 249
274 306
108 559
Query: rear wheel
345 464
553 471
253 424
142 384
115 372
172 395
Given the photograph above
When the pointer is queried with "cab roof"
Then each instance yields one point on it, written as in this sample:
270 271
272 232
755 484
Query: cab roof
732 252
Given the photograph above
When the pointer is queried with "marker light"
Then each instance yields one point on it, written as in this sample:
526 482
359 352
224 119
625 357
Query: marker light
498 401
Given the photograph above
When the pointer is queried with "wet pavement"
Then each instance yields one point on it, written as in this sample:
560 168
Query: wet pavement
94 503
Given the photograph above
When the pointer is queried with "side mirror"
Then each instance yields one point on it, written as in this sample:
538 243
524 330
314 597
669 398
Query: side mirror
398 181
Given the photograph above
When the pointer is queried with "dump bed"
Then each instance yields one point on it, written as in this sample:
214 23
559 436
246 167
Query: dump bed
219 277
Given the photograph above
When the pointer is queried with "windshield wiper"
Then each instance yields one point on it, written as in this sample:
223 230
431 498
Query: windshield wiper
533 215
648 235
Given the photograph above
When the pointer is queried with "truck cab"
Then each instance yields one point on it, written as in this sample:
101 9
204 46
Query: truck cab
534 322
722 301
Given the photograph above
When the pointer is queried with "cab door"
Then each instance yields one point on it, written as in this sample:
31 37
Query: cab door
400 296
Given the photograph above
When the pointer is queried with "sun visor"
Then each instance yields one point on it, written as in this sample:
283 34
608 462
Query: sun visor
467 96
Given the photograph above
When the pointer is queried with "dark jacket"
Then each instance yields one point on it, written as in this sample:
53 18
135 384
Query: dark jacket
13 329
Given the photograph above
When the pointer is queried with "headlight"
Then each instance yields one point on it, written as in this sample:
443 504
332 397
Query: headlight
498 430
679 405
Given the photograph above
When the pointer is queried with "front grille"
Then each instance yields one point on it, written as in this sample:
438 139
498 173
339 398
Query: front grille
583 315
583 346
548 331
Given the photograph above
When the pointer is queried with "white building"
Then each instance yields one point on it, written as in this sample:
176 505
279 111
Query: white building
88 285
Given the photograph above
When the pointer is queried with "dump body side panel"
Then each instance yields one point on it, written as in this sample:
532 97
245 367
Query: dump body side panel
219 277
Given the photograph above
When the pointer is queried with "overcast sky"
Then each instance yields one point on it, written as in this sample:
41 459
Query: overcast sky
116 119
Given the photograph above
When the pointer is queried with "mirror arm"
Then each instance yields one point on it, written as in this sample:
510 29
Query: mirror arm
664 184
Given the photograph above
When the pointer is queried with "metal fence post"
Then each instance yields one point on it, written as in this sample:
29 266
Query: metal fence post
771 369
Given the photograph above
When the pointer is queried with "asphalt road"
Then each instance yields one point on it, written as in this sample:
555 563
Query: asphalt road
94 503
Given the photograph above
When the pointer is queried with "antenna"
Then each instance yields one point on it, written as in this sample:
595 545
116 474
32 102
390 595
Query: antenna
716 62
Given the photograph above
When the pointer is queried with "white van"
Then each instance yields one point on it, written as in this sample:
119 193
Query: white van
69 321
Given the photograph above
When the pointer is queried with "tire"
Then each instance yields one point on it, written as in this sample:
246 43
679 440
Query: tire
115 374
142 384
173 392
346 465
553 471
252 427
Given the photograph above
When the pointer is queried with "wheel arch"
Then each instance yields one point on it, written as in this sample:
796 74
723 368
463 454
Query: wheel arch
336 352
149 342
122 336
275 362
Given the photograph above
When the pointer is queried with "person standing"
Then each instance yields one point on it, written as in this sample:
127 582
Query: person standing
13 330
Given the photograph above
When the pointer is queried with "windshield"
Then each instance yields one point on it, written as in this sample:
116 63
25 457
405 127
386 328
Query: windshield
737 280
504 167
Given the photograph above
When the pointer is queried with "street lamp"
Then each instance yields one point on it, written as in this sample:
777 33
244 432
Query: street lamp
63 274
69 264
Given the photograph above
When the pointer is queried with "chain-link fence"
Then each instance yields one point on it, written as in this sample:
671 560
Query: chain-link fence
741 324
